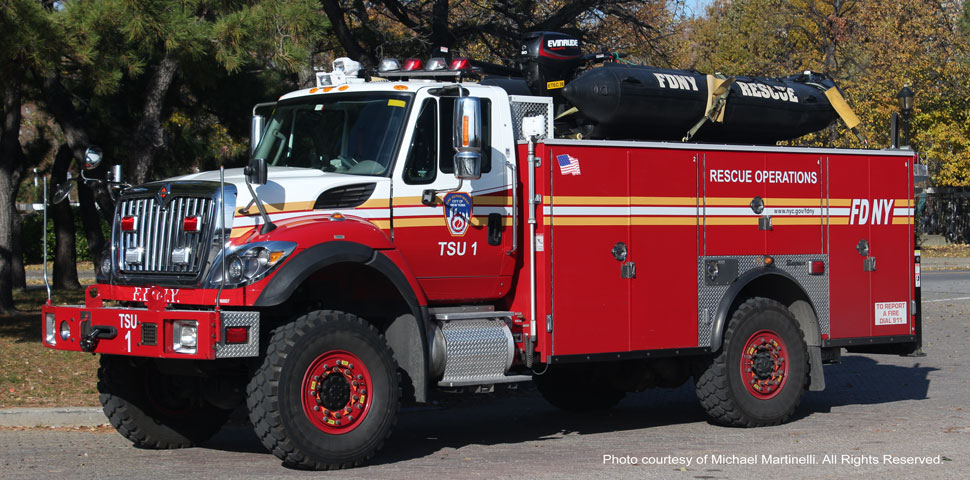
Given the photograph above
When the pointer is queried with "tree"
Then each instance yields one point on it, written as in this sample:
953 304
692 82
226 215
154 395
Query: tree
871 49
28 44
366 31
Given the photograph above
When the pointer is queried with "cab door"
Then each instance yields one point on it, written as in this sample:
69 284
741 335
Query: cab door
454 235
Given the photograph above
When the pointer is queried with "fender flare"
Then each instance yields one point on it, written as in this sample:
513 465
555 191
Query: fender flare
320 256
724 307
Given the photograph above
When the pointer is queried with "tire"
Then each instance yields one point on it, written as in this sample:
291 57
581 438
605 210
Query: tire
153 409
764 385
579 388
316 368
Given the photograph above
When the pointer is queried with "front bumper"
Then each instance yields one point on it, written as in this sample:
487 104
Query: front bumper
153 331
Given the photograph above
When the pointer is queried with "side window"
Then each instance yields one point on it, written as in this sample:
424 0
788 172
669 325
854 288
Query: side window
447 146
420 166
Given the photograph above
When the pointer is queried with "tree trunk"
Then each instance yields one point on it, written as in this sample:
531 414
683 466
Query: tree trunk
18 277
344 35
150 136
11 159
91 220
65 248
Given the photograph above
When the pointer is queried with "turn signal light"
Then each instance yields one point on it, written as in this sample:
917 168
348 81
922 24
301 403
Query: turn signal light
129 223
237 334
192 224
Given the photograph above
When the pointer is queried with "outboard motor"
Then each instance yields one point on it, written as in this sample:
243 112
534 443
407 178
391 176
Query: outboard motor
549 60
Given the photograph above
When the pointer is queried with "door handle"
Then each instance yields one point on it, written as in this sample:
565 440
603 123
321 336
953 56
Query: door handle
494 229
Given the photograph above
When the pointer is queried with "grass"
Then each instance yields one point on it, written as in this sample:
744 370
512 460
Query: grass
953 250
32 375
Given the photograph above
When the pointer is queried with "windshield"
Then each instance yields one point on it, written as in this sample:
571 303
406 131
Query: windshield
357 135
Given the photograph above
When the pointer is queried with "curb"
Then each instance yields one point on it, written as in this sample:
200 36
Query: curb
52 417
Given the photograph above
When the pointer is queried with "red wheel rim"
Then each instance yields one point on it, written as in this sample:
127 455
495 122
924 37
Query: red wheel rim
764 364
336 393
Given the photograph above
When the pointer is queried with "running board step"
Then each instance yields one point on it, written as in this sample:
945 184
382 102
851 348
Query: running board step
467 382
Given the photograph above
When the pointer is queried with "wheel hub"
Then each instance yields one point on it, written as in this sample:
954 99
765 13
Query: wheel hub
336 390
333 392
764 364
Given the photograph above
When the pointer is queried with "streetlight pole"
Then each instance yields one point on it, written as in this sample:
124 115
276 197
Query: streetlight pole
905 98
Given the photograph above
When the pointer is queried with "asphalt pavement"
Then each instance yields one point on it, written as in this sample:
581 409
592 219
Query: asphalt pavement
880 415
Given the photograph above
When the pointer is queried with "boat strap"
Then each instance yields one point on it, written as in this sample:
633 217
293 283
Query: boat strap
719 87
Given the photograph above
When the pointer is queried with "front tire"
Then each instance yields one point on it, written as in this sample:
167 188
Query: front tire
761 372
154 409
327 394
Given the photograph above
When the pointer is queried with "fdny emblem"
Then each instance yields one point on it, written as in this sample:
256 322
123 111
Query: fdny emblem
458 213
163 194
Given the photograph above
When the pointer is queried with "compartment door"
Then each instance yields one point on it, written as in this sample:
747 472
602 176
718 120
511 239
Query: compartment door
589 217
891 233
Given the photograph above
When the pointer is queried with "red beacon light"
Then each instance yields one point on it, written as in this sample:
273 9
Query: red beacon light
192 224
459 63
412 64
129 223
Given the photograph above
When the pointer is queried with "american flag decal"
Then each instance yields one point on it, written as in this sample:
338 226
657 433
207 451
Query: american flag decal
568 165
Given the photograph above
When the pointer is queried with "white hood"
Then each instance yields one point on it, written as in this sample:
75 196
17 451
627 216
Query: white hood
286 189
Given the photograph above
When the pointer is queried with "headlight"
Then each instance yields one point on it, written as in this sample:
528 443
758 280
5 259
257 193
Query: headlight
103 270
185 336
250 263
49 332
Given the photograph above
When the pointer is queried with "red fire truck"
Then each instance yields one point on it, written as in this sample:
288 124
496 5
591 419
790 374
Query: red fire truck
360 262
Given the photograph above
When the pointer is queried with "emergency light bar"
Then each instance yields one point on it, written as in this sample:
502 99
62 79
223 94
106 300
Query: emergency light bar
436 68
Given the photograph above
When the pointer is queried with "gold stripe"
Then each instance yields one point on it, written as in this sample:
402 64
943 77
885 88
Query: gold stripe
589 221
641 221
838 220
721 201
569 200
839 202
375 203
476 200
239 231
492 200
691 201
796 220
793 202
279 207
902 220
732 221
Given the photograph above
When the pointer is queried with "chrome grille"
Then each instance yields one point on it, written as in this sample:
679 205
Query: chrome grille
159 233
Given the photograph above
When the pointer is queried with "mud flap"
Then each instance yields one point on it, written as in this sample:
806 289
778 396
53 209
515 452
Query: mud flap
815 369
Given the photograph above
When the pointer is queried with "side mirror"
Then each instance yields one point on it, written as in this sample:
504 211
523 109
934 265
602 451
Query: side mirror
92 158
63 190
468 138
256 172
261 113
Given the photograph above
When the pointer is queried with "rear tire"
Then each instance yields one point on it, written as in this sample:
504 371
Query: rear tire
578 388
153 409
761 372
327 394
